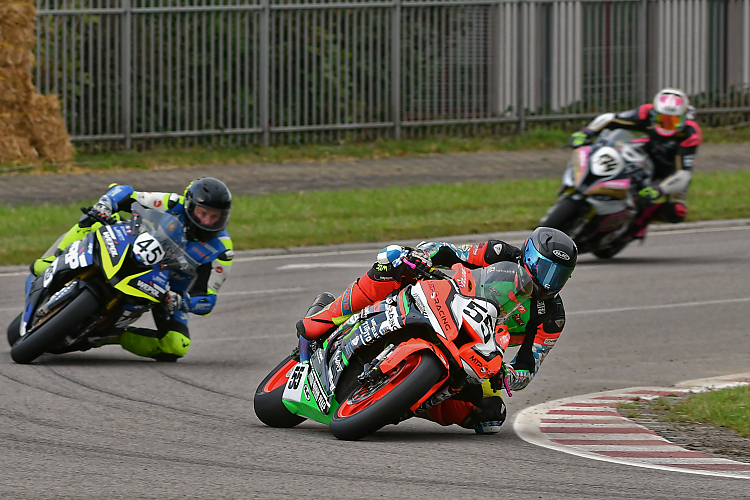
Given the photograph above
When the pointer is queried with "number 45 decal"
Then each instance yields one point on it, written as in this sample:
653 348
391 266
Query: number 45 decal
147 249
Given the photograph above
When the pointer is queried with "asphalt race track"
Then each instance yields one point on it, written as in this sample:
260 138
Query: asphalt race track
106 424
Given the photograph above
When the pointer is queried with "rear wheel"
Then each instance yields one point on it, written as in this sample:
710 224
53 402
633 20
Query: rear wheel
47 336
267 402
375 404
565 215
14 330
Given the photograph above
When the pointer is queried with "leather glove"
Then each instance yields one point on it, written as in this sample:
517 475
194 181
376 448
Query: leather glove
650 193
103 207
176 302
516 379
580 138
418 257
509 252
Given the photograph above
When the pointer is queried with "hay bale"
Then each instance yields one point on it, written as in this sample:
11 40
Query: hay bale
17 22
15 90
48 133
15 146
31 125
15 56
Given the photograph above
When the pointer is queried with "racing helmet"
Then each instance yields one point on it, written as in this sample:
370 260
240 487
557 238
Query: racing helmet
670 112
208 203
550 256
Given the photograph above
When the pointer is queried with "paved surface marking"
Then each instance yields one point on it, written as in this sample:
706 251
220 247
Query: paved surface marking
590 426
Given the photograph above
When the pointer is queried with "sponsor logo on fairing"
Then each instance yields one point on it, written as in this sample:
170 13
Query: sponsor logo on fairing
317 391
149 288
306 392
441 313
109 243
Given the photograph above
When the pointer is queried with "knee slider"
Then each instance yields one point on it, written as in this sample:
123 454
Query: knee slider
175 343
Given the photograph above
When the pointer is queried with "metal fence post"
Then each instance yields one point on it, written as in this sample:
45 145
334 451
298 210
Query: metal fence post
264 95
126 70
521 97
642 54
396 68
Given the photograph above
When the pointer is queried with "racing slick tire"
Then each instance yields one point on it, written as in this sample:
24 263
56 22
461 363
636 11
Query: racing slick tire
374 404
38 341
267 401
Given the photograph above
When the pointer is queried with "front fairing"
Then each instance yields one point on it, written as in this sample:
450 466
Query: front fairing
606 167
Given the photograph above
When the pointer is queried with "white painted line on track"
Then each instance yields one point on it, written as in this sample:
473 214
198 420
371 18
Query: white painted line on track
697 230
326 265
571 425
262 292
375 246
303 255
660 306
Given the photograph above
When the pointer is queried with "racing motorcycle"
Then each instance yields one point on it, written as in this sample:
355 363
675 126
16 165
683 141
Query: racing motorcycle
597 202
399 357
101 284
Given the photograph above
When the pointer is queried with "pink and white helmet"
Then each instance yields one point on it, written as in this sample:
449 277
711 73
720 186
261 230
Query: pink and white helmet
670 111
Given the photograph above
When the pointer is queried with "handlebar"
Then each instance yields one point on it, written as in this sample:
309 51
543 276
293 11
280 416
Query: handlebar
91 213
423 271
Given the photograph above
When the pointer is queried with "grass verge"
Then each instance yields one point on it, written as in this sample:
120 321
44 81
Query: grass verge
170 157
362 215
729 408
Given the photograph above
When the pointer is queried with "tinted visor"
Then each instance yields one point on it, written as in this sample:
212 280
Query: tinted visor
549 275
208 218
668 122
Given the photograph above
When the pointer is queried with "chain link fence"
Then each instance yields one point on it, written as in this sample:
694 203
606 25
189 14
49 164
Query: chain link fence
137 73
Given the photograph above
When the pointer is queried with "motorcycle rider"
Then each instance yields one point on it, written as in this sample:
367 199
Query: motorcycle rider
672 141
549 255
204 210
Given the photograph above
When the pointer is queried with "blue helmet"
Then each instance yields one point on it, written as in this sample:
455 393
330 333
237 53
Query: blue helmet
550 256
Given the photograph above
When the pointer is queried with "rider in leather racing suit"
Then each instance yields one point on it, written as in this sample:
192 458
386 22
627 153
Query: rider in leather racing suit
204 210
672 141
535 329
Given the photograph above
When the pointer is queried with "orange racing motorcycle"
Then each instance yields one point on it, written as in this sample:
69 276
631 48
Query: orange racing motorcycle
401 356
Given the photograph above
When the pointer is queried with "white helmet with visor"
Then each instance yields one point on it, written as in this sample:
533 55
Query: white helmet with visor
670 111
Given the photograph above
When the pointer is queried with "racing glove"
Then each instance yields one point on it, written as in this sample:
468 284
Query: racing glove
650 193
176 301
516 379
580 138
103 207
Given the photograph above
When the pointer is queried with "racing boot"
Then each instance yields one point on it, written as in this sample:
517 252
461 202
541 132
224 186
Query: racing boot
75 233
361 293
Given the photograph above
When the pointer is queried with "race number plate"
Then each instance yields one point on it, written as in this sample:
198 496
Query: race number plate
296 383
148 250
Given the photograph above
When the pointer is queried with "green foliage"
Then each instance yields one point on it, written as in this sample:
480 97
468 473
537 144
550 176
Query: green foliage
728 408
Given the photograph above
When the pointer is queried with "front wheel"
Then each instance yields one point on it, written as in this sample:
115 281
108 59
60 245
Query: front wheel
267 402
34 344
375 404
14 330
564 215
611 250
